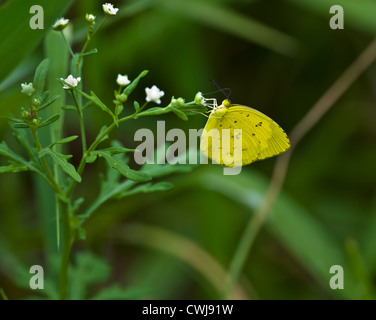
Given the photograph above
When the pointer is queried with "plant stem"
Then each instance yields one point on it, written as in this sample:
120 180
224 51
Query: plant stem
82 126
92 147
67 245
50 176
88 38
68 45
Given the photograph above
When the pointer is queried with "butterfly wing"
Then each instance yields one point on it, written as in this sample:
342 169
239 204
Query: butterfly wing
261 136
262 130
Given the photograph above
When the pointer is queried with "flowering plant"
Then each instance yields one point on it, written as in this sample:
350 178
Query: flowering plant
51 163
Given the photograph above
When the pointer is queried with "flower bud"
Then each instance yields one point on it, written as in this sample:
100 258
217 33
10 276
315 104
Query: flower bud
36 102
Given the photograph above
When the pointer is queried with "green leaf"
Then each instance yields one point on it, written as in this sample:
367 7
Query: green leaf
6 152
13 167
93 51
103 129
40 77
147 188
129 88
77 204
136 106
50 120
91 158
179 113
117 150
122 167
23 139
69 107
193 109
20 126
15 120
86 105
153 112
65 140
99 103
62 161
49 102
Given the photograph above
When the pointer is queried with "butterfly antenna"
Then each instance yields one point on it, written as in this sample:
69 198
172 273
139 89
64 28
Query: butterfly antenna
222 90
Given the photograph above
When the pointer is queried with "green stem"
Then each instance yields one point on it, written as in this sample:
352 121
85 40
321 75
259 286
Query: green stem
82 126
92 147
68 238
68 46
50 176
88 38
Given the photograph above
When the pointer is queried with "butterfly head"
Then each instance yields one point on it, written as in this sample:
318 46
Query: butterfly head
226 103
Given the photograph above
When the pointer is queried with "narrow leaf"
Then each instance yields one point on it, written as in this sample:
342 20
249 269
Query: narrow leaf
13 167
61 160
154 112
20 126
65 140
91 158
49 121
77 204
40 77
129 88
86 105
93 51
147 188
136 106
15 120
103 129
123 168
100 104
6 152
49 102
116 150
69 108
179 113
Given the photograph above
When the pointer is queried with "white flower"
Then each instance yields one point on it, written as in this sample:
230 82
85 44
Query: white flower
60 24
108 8
90 17
122 80
73 82
154 94
27 88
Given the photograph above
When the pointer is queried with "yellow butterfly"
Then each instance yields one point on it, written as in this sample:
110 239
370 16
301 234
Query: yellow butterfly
250 135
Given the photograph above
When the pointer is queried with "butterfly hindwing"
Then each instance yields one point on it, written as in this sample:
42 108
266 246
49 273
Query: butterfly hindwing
271 137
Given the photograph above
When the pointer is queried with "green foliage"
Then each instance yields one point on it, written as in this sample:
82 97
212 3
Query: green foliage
40 78
62 161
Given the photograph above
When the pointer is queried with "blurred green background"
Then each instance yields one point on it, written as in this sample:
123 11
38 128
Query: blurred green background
276 56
